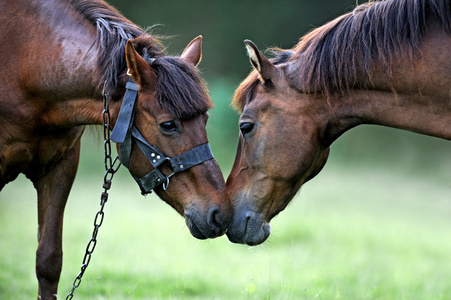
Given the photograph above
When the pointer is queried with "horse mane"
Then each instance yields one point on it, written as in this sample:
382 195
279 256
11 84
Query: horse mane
113 31
333 57
180 88
374 33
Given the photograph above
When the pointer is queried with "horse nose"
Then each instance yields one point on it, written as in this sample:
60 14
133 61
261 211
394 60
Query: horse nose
248 227
217 222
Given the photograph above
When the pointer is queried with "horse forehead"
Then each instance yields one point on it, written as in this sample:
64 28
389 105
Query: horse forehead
147 101
261 101
272 101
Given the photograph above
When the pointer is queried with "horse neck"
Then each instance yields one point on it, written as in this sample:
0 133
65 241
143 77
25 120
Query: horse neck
416 96
424 114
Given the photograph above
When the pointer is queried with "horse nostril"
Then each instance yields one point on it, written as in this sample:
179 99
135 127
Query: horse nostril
247 219
213 220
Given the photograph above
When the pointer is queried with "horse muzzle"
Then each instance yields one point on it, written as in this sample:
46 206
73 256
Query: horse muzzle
211 224
248 227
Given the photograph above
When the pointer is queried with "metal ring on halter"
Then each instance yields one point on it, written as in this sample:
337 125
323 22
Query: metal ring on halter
166 184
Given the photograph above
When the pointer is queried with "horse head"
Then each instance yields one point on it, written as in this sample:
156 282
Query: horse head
280 147
163 141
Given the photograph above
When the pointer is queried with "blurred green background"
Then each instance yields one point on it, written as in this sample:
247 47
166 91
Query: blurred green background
374 224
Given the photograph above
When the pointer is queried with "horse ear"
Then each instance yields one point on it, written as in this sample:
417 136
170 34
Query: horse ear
193 52
137 66
267 69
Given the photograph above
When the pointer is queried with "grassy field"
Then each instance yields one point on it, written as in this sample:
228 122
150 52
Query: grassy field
372 225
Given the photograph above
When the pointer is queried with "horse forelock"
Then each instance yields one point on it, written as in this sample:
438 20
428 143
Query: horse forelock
343 52
245 92
180 88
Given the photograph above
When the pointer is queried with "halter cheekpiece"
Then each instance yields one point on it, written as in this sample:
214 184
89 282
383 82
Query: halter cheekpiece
125 132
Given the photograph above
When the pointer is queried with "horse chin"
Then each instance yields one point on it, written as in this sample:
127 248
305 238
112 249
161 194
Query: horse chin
248 228
195 231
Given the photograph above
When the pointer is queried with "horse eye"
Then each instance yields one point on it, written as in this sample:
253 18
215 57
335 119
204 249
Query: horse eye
168 127
247 127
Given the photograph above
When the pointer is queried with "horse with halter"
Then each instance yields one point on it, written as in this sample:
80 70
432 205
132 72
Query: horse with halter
386 63
59 59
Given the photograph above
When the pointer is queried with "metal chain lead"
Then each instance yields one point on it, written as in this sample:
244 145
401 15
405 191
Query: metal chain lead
111 169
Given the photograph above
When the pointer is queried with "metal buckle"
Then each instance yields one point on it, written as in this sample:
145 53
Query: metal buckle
166 184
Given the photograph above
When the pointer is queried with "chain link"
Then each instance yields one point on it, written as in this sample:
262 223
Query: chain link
111 167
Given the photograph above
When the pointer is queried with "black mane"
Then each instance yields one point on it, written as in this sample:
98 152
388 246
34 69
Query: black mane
179 87
113 31
333 56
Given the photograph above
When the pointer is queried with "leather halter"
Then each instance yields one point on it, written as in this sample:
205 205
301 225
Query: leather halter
125 132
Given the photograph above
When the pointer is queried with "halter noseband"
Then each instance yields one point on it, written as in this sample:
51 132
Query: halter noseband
124 132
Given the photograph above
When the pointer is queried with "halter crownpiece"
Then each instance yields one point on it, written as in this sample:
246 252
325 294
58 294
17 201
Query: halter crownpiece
124 132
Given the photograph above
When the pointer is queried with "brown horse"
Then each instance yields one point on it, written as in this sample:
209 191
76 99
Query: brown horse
385 63
57 57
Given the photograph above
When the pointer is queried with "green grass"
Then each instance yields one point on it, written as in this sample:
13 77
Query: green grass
352 233
374 224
